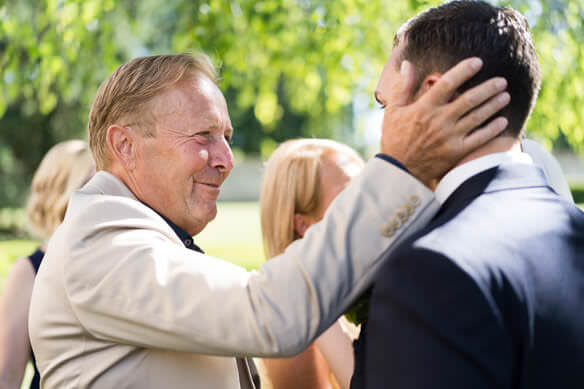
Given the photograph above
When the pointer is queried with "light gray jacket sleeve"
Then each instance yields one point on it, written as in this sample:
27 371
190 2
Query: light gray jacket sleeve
129 280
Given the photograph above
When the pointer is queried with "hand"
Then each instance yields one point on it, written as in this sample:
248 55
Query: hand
432 134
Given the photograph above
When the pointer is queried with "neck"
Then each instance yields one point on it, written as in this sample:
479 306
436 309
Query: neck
126 177
496 145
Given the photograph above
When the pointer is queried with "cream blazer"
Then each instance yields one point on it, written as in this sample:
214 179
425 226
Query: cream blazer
119 302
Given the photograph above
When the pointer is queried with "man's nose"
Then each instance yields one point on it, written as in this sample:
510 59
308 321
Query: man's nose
221 156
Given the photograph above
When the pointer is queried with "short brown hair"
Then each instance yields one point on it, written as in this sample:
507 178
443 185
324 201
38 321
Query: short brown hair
125 95
439 38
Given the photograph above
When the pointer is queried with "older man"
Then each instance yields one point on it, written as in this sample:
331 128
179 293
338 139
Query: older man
126 299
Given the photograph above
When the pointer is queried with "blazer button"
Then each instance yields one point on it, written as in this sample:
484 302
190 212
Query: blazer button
387 230
415 200
395 223
403 214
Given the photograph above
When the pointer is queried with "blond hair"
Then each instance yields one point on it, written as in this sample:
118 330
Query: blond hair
291 185
126 94
64 169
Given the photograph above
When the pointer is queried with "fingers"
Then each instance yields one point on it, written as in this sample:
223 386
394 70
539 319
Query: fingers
484 134
407 78
453 79
478 95
478 116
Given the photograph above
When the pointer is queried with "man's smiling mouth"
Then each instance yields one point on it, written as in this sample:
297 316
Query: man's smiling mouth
210 184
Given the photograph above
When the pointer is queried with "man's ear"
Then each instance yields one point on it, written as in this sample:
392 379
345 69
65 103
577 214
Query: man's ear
121 142
428 83
301 224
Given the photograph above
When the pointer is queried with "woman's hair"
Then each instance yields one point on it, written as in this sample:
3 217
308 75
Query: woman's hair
64 169
291 185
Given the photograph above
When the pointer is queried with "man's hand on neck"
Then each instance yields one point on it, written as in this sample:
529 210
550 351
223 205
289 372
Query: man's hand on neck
433 134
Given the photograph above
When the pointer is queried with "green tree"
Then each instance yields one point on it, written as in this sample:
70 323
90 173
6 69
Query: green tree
289 67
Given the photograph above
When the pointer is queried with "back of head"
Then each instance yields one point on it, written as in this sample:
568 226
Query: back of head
439 38
291 184
125 97
65 168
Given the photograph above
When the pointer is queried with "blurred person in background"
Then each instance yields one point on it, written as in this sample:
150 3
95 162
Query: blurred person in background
64 169
301 179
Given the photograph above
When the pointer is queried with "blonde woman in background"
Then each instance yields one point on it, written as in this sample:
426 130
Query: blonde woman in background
301 179
64 169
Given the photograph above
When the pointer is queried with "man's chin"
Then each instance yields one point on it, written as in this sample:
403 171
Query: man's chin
203 214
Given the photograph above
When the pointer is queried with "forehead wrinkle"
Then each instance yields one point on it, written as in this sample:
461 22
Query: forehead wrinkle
190 105
166 105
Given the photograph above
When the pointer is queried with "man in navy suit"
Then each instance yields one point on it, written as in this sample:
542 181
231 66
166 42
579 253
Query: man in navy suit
491 293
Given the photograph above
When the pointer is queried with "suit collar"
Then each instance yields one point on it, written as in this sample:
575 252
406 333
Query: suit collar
455 177
507 176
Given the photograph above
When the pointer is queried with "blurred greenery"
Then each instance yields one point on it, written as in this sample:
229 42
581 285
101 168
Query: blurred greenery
578 193
10 251
289 67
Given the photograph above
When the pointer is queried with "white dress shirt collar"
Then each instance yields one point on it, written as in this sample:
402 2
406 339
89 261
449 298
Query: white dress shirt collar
454 178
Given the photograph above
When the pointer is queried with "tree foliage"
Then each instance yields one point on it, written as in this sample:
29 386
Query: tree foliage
289 67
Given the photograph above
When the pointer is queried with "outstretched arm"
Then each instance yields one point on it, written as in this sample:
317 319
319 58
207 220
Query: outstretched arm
336 346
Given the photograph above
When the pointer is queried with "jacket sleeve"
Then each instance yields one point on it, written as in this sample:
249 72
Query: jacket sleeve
129 282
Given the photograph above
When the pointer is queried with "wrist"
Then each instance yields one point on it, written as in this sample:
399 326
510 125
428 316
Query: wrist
392 160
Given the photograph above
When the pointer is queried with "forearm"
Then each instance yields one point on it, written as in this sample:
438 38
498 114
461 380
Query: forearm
10 379
305 370
336 347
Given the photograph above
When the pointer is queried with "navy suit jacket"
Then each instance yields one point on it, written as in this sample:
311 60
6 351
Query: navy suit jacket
489 295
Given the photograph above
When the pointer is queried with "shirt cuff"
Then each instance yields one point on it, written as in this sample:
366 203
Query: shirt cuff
392 160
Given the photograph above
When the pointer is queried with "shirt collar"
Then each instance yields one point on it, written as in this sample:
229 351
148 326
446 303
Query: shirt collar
182 234
455 177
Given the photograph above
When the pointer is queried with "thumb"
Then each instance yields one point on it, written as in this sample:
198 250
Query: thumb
406 84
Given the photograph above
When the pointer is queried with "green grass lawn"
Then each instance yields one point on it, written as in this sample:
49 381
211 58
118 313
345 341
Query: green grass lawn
235 234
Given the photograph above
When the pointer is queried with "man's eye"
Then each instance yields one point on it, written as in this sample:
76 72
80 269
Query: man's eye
228 139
